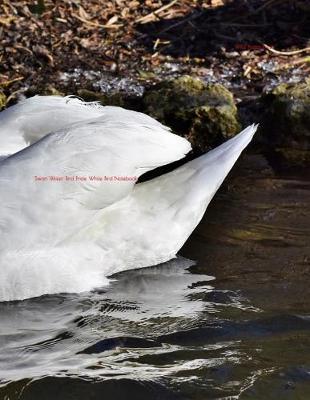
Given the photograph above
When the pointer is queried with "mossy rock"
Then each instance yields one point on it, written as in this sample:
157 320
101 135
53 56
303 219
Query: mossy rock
286 124
3 100
204 113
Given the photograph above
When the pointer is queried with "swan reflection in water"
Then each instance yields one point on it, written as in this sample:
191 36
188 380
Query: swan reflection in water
96 333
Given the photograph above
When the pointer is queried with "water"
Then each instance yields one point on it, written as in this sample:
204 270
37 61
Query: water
232 324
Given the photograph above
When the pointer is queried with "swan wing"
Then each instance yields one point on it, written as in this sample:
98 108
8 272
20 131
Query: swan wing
33 118
55 185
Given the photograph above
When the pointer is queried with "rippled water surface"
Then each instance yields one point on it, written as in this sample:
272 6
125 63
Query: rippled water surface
234 323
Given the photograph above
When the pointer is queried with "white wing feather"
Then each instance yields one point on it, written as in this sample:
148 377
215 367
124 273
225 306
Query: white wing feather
119 143
31 119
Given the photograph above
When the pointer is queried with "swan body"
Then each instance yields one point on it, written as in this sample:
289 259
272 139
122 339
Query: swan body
70 235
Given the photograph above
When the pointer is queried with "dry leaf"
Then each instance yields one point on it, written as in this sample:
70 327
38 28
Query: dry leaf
83 14
112 20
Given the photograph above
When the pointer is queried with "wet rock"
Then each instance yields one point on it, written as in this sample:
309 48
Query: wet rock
204 113
286 124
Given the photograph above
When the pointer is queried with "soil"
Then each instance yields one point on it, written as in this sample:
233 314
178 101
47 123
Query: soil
249 46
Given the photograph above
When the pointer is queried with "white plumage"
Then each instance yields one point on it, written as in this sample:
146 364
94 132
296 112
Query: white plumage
68 236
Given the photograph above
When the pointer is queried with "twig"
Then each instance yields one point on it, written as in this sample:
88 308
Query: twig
286 53
303 60
300 62
18 46
247 71
12 95
149 17
95 24
183 21
9 82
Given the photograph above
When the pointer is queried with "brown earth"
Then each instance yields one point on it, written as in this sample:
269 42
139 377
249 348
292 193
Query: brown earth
240 42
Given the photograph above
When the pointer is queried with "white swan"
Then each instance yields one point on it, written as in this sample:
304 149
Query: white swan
68 236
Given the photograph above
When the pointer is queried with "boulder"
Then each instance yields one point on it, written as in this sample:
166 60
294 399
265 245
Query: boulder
203 113
286 124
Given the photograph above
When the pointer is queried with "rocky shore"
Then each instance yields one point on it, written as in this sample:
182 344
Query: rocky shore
206 69
207 114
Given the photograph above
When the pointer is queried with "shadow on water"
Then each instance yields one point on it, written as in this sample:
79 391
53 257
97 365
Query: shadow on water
234 325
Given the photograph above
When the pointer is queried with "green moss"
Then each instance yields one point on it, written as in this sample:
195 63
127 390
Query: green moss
210 125
205 113
3 100
290 109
